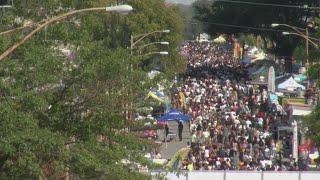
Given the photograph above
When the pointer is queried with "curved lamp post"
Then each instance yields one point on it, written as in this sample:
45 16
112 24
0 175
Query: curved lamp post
297 29
123 9
149 44
303 36
299 32
160 52
140 37
18 28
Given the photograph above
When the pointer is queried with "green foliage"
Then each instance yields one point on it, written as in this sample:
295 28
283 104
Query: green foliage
160 18
314 53
255 40
299 54
26 149
72 82
257 16
314 71
312 124
140 125
246 39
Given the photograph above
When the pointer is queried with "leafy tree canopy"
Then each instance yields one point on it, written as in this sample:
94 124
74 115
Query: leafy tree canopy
258 17
71 83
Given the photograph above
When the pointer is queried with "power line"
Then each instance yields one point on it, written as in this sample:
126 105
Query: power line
238 26
268 4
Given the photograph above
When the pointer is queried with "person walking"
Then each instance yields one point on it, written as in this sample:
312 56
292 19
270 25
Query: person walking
166 132
180 129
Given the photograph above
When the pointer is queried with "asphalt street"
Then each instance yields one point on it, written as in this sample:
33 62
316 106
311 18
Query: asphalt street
167 150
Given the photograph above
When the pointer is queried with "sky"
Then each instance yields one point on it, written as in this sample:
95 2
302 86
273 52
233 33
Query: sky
181 1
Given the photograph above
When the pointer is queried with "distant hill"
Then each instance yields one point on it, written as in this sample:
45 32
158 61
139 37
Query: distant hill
181 1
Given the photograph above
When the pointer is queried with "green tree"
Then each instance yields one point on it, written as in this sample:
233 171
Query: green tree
257 16
312 124
68 85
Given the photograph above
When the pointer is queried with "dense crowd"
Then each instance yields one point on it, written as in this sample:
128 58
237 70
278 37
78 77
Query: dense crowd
233 123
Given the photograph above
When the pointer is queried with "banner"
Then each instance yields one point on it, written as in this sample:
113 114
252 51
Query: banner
271 80
236 50
182 100
295 141
159 96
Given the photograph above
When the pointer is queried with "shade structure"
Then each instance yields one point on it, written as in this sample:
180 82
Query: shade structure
290 85
174 115
219 39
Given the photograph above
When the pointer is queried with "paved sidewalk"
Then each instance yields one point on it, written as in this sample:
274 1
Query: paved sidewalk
169 149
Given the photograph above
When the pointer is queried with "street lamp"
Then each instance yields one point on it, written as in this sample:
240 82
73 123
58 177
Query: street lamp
6 4
140 37
310 38
307 38
160 52
302 33
123 9
162 43
166 31
297 29
163 53
285 33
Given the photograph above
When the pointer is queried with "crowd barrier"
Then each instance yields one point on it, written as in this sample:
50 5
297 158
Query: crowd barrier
237 175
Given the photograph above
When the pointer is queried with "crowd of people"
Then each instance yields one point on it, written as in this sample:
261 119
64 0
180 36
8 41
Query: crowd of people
233 126
207 54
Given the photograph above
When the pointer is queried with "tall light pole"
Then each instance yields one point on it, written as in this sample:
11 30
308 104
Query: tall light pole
301 31
162 43
134 40
308 38
123 9
140 37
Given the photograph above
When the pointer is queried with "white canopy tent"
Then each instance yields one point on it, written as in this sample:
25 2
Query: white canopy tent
290 85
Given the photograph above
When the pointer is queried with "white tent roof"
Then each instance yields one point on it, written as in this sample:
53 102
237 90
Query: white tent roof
290 84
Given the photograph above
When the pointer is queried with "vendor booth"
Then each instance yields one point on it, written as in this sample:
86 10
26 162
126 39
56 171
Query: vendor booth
290 85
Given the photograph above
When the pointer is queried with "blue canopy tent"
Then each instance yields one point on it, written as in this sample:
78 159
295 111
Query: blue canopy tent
174 115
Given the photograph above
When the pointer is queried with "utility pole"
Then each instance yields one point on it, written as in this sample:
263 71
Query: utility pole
307 47
119 9
131 44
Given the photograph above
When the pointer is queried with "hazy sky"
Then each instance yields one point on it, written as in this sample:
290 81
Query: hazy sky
181 1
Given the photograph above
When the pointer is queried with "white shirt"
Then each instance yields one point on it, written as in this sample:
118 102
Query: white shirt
248 122
206 153
206 134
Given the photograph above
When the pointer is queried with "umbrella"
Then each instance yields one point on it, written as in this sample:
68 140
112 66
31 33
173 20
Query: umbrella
174 115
